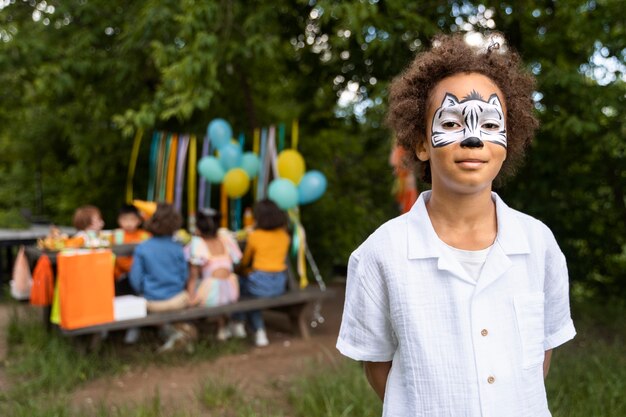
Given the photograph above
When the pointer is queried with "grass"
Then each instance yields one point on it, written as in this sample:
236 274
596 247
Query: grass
587 377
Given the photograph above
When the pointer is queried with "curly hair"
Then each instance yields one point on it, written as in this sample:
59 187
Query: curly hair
165 221
410 95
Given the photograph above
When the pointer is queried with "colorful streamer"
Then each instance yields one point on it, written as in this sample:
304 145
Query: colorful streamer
154 150
281 137
204 191
183 145
132 164
192 163
171 169
294 134
223 206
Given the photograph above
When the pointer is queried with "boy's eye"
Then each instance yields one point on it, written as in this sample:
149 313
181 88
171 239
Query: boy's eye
450 125
491 126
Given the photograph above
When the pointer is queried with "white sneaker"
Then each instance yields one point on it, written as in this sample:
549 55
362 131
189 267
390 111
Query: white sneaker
238 330
260 338
223 334
132 335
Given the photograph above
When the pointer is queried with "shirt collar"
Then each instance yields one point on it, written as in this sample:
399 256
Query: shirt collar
423 241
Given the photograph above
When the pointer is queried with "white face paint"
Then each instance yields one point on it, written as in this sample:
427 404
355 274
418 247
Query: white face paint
470 121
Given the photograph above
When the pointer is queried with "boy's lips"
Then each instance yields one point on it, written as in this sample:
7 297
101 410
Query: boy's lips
470 162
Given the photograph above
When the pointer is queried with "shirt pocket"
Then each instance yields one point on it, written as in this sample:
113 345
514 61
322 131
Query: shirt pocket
529 312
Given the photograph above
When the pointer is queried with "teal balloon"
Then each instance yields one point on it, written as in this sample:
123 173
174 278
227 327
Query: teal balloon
230 156
311 187
220 133
250 163
284 193
211 169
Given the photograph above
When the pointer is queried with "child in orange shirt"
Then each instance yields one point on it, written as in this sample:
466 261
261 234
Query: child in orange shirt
129 220
266 252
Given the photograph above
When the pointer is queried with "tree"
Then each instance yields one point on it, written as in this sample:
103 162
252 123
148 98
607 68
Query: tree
78 84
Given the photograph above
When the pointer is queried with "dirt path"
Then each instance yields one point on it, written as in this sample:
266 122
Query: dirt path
258 373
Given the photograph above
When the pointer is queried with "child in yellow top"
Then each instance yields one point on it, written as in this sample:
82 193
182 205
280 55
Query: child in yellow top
266 253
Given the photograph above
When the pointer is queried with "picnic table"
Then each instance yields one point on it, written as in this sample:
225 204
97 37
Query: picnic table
13 238
294 303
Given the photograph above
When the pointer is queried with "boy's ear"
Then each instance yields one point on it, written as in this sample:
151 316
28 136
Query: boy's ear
421 150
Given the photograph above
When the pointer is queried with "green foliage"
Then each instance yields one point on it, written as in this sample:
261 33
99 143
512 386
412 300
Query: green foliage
78 85
339 392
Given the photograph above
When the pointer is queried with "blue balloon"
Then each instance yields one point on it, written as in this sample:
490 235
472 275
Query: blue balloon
211 169
311 187
284 193
220 133
250 163
230 156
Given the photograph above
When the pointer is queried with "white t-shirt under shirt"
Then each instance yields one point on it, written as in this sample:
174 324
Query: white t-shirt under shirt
472 261
459 346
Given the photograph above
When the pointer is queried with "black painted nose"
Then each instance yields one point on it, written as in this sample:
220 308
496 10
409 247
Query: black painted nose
472 142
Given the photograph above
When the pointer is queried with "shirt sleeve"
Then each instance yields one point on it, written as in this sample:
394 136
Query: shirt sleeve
366 333
137 271
196 251
558 324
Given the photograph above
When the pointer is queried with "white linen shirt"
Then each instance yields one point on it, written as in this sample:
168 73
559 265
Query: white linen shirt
460 348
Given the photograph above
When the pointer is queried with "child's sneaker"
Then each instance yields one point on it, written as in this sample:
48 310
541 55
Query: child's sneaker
223 334
238 330
132 335
260 338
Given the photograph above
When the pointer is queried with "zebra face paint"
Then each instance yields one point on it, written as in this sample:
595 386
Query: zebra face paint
470 121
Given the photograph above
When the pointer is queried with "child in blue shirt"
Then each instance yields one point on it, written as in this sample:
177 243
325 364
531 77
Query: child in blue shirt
159 271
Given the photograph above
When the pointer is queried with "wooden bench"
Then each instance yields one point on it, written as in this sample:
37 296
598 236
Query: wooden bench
293 303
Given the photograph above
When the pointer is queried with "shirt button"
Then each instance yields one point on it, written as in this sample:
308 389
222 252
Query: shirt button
484 332
491 380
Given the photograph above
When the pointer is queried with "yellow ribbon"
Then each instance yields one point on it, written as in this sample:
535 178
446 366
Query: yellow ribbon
294 134
132 164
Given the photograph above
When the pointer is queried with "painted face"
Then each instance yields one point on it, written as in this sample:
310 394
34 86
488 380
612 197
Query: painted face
470 121
466 146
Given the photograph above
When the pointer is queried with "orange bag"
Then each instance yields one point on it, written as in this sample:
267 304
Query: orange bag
43 282
86 289
22 280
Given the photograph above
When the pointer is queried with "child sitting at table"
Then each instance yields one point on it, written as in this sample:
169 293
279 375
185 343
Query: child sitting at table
129 220
159 270
88 223
266 252
211 256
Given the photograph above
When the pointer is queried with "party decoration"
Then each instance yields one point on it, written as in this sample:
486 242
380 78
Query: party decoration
211 169
312 186
250 163
284 193
291 165
219 132
230 156
147 208
236 182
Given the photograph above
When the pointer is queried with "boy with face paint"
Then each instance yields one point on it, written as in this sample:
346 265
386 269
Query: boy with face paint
455 307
